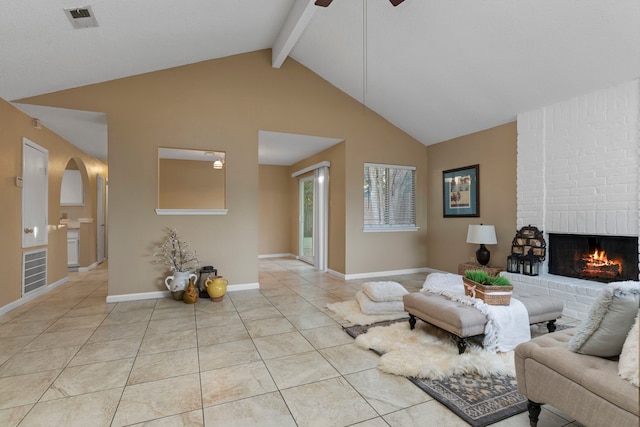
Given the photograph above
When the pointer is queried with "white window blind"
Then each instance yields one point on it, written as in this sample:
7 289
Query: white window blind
389 197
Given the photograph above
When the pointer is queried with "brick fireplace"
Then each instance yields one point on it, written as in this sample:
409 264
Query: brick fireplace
577 173
599 258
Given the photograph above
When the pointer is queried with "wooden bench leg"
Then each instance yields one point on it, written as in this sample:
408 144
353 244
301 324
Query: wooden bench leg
551 326
534 412
412 321
462 345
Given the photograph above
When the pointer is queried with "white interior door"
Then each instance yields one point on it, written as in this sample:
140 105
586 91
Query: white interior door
100 206
35 194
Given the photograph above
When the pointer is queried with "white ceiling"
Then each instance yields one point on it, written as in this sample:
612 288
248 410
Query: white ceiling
437 69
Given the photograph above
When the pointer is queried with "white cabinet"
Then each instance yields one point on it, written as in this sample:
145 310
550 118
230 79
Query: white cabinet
71 192
73 247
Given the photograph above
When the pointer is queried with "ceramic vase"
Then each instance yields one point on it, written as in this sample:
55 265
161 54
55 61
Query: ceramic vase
178 282
216 288
191 293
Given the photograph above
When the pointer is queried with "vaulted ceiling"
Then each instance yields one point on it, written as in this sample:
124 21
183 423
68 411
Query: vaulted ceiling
437 69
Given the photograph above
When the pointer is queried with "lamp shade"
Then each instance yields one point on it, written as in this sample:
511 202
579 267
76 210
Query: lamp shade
482 234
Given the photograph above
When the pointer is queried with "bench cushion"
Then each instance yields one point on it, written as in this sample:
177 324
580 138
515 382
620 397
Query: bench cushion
457 318
541 308
466 321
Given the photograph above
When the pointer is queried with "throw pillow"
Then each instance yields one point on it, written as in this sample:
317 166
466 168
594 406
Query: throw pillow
610 318
383 307
384 291
629 365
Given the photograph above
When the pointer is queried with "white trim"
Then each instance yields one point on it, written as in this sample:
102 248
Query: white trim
382 165
138 296
321 232
276 256
243 287
310 168
167 294
375 229
301 219
89 268
191 211
382 273
30 296
335 273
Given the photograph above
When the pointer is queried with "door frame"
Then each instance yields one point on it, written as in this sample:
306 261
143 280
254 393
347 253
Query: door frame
301 222
100 218
26 186
321 212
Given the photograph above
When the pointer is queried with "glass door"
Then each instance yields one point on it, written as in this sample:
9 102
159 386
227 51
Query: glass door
307 220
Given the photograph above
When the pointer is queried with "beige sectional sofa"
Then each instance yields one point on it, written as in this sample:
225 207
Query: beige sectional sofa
590 372
587 388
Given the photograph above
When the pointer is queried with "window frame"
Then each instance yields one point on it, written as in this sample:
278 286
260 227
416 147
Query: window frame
377 228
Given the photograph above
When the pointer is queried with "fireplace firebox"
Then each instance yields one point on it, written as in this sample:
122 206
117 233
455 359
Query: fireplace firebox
594 257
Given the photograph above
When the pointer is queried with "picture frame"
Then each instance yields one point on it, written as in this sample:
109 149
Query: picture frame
460 192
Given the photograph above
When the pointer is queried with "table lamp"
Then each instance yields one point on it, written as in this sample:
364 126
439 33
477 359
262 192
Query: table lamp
482 235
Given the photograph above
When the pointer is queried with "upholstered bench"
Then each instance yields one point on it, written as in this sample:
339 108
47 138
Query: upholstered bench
465 321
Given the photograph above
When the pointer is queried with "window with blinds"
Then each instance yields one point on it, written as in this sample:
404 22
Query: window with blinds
389 197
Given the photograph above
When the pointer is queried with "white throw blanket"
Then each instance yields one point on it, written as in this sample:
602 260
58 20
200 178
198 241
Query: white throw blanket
507 325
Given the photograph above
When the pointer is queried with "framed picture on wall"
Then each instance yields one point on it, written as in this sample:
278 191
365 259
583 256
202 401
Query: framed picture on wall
460 191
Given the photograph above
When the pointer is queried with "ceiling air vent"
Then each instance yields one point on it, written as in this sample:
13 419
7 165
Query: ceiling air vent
81 17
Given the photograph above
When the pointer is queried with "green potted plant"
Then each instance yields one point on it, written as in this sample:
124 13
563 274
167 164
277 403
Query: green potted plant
493 290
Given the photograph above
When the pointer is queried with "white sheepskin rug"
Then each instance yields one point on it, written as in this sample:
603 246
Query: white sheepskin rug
350 312
429 353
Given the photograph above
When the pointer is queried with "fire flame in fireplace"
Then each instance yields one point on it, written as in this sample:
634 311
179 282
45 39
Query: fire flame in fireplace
599 263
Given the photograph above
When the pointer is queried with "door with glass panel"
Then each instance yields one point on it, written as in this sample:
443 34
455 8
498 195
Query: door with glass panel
307 221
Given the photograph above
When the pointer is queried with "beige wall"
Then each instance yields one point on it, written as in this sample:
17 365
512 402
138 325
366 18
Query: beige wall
495 151
383 251
221 105
275 214
15 125
190 184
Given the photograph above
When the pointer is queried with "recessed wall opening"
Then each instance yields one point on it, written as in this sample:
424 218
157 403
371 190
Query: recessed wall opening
597 258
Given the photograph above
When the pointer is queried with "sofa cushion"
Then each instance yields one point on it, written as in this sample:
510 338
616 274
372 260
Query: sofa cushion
629 364
610 318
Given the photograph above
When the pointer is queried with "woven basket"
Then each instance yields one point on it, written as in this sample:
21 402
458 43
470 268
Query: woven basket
492 295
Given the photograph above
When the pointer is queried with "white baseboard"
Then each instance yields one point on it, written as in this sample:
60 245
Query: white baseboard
276 256
138 296
383 273
167 294
32 295
89 268
243 287
335 273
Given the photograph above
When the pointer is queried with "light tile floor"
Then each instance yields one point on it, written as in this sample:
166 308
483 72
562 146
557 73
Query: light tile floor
269 357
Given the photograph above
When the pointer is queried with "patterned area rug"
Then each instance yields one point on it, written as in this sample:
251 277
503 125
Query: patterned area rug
478 400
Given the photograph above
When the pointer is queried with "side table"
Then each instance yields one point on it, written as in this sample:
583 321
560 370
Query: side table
491 271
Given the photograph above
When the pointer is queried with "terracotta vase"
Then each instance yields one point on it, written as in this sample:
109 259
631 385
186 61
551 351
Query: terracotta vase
216 288
191 293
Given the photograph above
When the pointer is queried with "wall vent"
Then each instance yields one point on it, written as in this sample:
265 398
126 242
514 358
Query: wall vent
34 270
81 17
